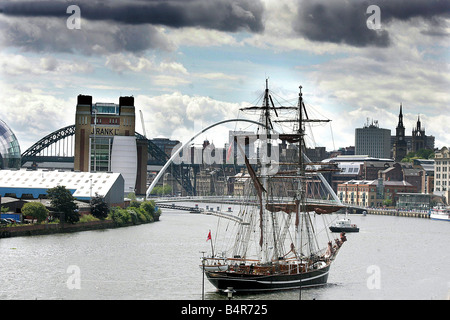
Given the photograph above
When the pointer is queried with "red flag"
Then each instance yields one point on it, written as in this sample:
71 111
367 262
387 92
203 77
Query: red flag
229 152
209 236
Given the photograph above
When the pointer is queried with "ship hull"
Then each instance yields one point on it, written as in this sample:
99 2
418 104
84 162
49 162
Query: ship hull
241 282
344 229
442 217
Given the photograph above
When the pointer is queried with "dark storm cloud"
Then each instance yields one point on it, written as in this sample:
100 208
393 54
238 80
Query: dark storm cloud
344 21
118 26
225 15
52 35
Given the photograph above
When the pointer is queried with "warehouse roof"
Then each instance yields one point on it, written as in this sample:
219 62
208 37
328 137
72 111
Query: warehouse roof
37 182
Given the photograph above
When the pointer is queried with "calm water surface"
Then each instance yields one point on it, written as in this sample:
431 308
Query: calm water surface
390 258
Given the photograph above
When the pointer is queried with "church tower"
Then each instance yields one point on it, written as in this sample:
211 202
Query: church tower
418 137
400 142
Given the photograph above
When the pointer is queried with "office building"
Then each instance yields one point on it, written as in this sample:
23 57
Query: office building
373 141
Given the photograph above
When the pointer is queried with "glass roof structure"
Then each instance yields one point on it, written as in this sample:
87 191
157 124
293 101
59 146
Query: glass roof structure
9 148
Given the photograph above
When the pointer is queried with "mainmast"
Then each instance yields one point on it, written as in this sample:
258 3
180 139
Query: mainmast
301 194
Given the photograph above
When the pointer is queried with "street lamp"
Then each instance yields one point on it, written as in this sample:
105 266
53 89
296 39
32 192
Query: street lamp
203 269
229 291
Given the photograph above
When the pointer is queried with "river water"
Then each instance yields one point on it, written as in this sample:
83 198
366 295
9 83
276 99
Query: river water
390 258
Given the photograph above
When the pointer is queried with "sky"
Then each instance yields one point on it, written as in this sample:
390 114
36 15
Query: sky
192 63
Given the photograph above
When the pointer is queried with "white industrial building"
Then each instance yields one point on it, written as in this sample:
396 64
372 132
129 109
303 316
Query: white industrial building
33 184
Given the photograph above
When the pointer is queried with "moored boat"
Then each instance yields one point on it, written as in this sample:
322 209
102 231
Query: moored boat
440 213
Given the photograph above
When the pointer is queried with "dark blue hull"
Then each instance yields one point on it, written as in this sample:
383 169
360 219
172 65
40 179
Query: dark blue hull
243 282
344 229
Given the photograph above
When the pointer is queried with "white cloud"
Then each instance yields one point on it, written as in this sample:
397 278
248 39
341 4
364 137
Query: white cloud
184 116
172 67
217 76
197 37
17 64
120 62
32 113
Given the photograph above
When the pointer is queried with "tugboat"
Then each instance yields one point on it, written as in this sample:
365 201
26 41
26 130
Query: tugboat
344 225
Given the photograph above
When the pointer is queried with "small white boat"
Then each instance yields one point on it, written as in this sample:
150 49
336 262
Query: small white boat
344 225
440 213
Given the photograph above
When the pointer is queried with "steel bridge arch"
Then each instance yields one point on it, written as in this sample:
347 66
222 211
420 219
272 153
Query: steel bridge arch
46 141
68 131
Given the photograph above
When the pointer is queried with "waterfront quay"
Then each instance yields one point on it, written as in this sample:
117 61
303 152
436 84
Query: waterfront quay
399 213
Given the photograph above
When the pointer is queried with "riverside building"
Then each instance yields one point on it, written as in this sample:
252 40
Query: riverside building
9 148
105 141
442 173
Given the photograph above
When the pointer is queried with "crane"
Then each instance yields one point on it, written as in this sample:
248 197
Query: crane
142 121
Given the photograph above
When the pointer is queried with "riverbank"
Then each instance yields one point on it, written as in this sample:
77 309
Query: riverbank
46 228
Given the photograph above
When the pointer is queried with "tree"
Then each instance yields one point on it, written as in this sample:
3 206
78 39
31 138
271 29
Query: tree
162 190
421 154
387 202
63 203
36 210
99 208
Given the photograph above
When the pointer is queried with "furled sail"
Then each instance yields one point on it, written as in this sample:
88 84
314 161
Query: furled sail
290 207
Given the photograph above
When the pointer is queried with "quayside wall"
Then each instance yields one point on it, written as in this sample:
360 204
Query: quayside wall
411 214
42 229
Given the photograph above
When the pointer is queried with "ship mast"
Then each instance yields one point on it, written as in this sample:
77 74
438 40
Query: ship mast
301 194
304 225
268 222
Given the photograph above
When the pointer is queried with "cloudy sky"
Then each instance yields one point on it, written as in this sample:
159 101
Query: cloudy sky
190 63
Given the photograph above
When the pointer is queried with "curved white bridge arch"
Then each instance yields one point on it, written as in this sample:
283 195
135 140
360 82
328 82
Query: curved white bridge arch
175 154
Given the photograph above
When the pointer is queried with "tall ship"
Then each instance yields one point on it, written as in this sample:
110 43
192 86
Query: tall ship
279 238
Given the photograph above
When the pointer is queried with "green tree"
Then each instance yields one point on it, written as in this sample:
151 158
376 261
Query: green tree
36 210
148 206
420 154
162 190
99 208
63 203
